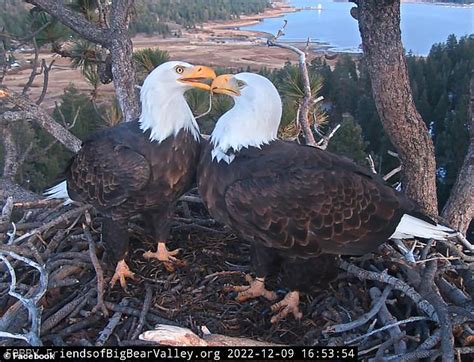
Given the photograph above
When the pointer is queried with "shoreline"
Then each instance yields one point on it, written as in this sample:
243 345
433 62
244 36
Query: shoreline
225 43
216 44
233 28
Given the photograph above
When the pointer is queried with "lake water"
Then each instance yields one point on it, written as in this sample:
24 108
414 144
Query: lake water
422 24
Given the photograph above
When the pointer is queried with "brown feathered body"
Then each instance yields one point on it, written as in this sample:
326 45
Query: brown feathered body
295 201
122 173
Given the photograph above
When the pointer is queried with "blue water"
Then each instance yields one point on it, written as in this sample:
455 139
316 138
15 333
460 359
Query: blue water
422 25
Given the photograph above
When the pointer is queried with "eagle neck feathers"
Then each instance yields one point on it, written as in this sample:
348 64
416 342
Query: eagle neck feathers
166 114
243 127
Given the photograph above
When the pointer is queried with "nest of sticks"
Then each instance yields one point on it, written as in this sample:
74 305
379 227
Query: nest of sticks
404 302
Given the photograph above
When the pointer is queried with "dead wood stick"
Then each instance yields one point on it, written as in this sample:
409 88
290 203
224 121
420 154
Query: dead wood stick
54 242
392 173
404 321
430 292
19 227
20 250
431 341
143 313
189 198
81 325
29 302
387 318
64 217
396 283
177 336
453 293
84 301
37 204
136 313
61 314
414 356
109 328
385 345
454 250
339 328
461 238
61 262
65 272
63 283
99 272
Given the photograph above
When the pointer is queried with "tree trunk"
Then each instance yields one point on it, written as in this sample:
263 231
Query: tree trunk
459 210
379 25
116 39
124 76
10 153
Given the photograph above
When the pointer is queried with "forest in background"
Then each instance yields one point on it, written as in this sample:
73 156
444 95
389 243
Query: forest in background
151 17
440 85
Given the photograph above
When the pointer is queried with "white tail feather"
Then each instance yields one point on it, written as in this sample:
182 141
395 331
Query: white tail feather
411 226
58 192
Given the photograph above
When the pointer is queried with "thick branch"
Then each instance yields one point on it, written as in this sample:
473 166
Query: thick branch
33 111
74 20
459 210
119 13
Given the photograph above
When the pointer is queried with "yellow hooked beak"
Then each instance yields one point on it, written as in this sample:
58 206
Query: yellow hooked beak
195 76
226 84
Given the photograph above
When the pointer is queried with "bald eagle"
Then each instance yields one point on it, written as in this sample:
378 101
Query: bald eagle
290 200
141 166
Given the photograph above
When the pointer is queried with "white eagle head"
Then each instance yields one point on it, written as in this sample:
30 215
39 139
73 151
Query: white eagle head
254 119
164 108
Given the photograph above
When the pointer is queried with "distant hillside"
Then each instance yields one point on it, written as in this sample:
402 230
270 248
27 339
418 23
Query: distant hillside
150 16
155 16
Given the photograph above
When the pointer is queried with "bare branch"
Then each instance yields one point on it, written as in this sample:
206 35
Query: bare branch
306 103
392 173
98 270
339 328
46 70
109 328
74 20
3 58
34 73
384 328
324 141
146 307
31 337
396 283
371 162
33 111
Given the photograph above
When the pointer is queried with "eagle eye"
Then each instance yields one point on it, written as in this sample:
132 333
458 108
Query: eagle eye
241 84
179 69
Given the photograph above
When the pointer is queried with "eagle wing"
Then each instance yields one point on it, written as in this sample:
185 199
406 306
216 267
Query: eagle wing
105 173
312 209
